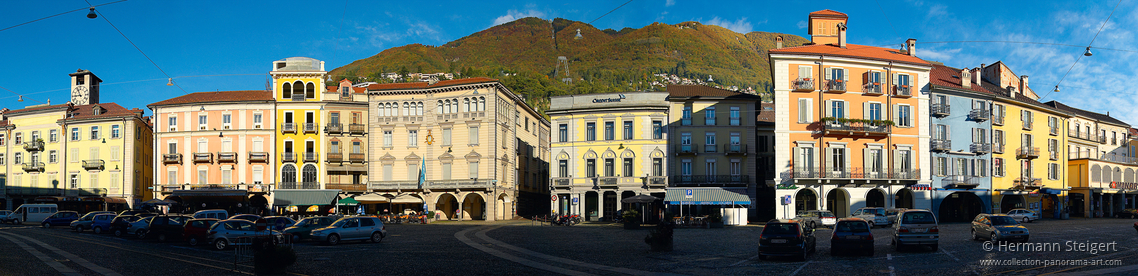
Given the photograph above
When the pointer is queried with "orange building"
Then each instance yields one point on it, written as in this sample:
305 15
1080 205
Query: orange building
853 132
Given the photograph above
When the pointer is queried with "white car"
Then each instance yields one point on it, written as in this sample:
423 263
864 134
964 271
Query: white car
1023 215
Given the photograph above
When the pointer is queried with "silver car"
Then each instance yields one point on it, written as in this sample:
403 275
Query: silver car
875 216
351 228
996 227
230 232
139 227
916 227
1023 215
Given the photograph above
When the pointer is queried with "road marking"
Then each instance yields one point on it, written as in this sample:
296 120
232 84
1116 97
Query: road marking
743 261
73 257
799 268
949 254
164 255
39 255
461 236
1115 270
482 235
889 256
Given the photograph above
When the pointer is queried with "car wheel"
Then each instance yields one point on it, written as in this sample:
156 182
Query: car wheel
161 237
140 233
333 239
97 230
46 225
193 241
76 229
813 225
118 233
220 244
871 225
803 257
974 237
16 221
992 237
1025 220
376 237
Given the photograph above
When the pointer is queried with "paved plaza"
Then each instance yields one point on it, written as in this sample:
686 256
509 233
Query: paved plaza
523 248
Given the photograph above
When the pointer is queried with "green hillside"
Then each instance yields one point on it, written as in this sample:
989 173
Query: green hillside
523 54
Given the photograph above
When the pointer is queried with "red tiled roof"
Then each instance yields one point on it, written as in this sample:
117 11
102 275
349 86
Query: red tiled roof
221 96
3 123
81 112
60 106
853 51
950 77
424 85
680 90
828 13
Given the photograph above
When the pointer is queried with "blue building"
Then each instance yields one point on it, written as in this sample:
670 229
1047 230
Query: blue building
961 143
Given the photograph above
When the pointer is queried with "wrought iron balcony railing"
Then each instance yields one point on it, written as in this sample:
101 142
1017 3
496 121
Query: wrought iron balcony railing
835 86
608 180
710 180
299 185
356 157
1028 183
335 157
960 182
226 156
940 144
872 89
96 164
171 158
258 156
686 149
657 180
980 114
288 157
735 149
357 129
852 173
980 148
854 128
562 181
309 127
902 91
1027 153
288 128
310 157
940 109
33 146
998 120
203 157
334 128
998 148
297 97
803 84
33 166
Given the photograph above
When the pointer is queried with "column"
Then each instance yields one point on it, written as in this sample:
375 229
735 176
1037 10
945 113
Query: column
491 210
600 205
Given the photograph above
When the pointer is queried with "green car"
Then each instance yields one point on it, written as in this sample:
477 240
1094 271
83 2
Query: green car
303 228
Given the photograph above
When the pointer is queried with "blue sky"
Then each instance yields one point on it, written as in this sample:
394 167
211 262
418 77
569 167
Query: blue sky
195 38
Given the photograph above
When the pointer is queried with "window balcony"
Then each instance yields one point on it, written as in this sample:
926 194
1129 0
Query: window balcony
562 182
1026 125
1053 155
654 181
96 164
852 173
347 187
297 97
1101 139
393 185
835 86
940 109
686 149
608 180
960 182
734 121
872 89
258 156
1028 183
940 144
902 91
980 114
802 84
288 157
34 166
998 120
299 185
685 121
203 157
710 148
356 157
710 180
980 148
288 128
732 149
998 148
335 157
855 128
229 157
309 127
171 158
1053 131
33 146
358 129
1027 153
310 157
334 128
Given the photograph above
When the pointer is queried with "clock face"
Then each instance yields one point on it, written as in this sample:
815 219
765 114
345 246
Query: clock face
79 95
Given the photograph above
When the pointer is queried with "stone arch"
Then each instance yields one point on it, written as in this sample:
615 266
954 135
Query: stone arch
473 206
286 90
805 200
310 91
608 154
447 203
1117 174
838 202
472 156
875 198
308 174
503 205
903 199
590 155
563 155
1129 175
657 153
288 173
627 154
1096 173
297 88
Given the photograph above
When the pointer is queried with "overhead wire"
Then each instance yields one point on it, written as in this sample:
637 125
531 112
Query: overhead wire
607 13
62 13
139 49
1080 57
887 20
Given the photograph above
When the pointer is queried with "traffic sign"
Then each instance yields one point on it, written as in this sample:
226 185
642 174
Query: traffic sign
688 193
261 224
554 198
574 201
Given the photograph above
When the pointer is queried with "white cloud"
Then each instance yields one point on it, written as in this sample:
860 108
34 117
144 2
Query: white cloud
512 15
739 26
938 10
669 3
802 24
937 54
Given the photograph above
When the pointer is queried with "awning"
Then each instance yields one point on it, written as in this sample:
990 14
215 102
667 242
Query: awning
1050 191
209 192
371 198
282 197
407 199
706 196
348 202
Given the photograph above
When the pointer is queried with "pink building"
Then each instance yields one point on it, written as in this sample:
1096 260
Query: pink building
215 150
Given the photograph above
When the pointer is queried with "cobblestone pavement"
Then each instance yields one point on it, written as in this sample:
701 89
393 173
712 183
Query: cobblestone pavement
522 248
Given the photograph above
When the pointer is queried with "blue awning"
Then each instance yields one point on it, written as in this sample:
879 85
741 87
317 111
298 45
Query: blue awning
706 196
1050 191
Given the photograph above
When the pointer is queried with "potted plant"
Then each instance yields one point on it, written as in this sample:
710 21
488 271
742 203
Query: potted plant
715 220
631 219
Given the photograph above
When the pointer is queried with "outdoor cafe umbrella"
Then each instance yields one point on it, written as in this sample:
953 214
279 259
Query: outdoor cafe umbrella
158 202
640 199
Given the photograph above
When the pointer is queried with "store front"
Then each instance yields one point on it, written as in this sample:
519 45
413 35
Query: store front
732 204
304 203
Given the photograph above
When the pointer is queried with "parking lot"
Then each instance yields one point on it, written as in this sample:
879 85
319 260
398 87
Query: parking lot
519 247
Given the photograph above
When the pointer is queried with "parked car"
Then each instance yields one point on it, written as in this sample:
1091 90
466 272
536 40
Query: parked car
303 228
814 218
133 212
875 216
1023 215
139 227
790 238
248 217
852 234
891 214
121 223
997 227
236 232
102 222
916 227
84 222
165 228
30 212
60 218
351 228
215 213
197 230
1128 213
279 223
4 214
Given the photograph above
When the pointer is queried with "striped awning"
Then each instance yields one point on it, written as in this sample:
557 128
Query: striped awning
706 196
286 197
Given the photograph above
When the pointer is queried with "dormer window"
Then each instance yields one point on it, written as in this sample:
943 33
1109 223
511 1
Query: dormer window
96 110
344 92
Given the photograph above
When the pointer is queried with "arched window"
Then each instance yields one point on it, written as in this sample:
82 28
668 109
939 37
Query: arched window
454 106
286 90
405 106
481 103
309 174
310 91
446 109
297 88
439 107
420 111
466 105
288 174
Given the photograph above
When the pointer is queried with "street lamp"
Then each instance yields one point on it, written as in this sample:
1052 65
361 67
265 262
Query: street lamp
92 14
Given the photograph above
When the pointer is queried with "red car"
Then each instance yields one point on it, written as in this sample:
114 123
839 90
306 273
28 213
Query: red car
196 230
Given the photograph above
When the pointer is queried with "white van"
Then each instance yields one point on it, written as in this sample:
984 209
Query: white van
31 212
215 213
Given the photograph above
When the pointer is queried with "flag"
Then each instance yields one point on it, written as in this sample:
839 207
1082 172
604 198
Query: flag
423 173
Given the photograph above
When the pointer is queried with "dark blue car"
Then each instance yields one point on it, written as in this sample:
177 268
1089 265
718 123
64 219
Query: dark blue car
102 222
61 218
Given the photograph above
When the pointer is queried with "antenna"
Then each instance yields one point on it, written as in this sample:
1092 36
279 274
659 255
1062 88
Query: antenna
563 62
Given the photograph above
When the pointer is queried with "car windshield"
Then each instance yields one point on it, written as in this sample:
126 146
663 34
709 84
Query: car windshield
826 214
1002 220
918 218
781 229
853 226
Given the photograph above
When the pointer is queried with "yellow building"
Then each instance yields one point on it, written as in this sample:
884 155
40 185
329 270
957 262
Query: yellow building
607 147
1101 168
31 160
345 136
298 87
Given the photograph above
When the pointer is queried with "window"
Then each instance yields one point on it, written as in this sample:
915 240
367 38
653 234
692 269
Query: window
172 176
685 167
446 137
116 132
563 168
609 129
226 121
981 168
838 109
74 181
686 120
2 139
226 176
591 168
203 176
74 155
710 167
473 170
335 147
657 130
610 167
115 155
805 115
94 133
998 167
709 115
961 167
1025 116
413 138
590 131
446 171
357 147
709 139
52 136
35 136
657 166
527 123
627 130
473 136
1052 171
2 160
18 158
387 172
902 80
627 167
413 171
1114 138
19 138
736 142
904 116
173 123
387 137
74 134
257 120
563 133
735 167
941 166
202 122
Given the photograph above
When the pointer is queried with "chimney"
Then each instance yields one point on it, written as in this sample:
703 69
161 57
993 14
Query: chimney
842 35
912 44
965 78
778 42
976 76
1023 83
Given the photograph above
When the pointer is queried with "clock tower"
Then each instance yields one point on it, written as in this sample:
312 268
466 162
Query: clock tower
84 87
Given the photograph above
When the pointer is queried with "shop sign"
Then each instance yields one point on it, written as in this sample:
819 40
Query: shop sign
610 100
1124 185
